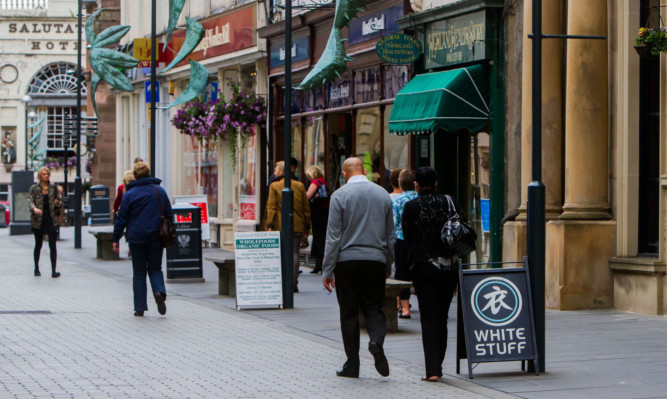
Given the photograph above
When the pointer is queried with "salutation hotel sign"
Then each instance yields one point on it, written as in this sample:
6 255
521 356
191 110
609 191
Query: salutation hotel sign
456 40
31 37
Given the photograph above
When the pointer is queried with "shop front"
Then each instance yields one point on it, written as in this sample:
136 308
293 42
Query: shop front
226 175
349 116
453 109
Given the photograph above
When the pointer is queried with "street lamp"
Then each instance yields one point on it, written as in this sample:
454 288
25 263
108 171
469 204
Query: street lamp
26 102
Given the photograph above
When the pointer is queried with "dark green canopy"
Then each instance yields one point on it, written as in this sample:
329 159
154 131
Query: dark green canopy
450 100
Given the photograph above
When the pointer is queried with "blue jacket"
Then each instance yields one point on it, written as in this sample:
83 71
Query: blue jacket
139 211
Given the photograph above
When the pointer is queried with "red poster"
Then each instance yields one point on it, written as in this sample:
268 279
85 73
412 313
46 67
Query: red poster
204 211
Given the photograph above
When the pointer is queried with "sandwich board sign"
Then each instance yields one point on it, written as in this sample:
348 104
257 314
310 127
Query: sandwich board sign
497 316
258 273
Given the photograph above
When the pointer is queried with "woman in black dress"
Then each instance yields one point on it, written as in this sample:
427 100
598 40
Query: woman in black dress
318 195
44 202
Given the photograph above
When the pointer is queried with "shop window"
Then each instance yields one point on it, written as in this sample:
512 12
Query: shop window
340 92
395 146
8 145
339 128
247 181
367 85
368 146
297 145
395 78
314 143
200 162
478 201
227 200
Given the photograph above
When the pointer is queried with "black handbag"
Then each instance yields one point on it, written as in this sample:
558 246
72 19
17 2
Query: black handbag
456 234
167 231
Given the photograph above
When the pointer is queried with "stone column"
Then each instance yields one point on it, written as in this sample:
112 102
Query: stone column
514 233
552 110
586 126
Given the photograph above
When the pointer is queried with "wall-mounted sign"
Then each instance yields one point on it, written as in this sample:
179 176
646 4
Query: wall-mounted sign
225 34
374 25
55 36
456 40
142 49
340 93
398 48
300 51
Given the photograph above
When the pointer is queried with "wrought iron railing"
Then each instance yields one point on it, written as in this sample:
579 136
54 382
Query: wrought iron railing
24 4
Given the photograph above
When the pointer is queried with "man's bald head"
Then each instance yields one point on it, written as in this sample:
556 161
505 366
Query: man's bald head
352 167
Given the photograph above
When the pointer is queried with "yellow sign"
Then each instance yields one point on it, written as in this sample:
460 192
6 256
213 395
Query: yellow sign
142 50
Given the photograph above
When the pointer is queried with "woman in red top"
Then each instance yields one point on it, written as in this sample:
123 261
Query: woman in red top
318 196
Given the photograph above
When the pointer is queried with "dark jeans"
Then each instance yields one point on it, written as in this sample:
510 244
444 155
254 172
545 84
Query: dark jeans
435 289
360 286
146 259
39 239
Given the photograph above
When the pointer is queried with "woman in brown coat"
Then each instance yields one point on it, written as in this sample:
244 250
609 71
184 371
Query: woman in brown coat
44 202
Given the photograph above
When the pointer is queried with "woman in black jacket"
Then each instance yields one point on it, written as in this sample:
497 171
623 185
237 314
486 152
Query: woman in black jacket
140 214
44 202
433 268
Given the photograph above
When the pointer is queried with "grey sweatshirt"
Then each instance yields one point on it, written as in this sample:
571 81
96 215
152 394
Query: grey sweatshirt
361 225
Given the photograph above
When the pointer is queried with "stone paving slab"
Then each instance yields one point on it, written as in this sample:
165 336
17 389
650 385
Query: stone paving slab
90 345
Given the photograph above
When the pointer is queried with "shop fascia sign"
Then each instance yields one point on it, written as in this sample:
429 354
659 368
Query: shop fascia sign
52 36
456 40
374 25
223 35
300 51
398 48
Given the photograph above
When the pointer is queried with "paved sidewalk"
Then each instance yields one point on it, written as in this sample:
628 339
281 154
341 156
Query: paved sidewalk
76 337
590 354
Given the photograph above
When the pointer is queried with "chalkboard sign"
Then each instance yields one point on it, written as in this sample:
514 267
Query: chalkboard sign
497 315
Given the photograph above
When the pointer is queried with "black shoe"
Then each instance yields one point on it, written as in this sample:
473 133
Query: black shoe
345 372
139 313
55 274
315 271
381 364
37 273
296 288
161 306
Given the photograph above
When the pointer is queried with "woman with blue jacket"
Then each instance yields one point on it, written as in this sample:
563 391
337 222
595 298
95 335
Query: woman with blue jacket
140 215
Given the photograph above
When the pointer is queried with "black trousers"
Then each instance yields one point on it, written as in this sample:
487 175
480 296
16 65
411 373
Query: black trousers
435 289
360 286
52 232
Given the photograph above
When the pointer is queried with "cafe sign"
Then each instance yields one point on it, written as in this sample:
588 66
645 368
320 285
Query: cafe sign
398 48
456 40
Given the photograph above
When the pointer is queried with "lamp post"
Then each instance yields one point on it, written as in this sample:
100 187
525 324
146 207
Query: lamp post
287 214
26 102
77 179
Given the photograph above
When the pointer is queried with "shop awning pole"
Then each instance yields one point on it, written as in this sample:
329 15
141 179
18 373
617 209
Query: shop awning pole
287 215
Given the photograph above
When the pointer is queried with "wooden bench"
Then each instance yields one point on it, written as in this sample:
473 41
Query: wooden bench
225 261
104 238
392 289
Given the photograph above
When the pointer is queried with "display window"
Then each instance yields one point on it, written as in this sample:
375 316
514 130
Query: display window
247 181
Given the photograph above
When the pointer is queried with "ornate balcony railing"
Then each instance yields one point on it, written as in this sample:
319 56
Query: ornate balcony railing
24 4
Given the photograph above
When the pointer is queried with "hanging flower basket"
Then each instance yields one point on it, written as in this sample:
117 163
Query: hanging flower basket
651 42
231 120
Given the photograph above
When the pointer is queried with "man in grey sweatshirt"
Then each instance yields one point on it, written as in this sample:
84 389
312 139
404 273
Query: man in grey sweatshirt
357 260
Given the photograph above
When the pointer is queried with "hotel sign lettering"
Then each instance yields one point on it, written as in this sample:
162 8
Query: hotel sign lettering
31 37
456 40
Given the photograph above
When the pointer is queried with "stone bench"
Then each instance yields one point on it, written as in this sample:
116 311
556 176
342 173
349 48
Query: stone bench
104 238
225 261
392 289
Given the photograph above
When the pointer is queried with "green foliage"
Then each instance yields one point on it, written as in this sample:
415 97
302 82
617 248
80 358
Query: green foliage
654 39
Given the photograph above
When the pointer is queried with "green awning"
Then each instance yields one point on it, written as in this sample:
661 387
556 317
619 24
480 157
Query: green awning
449 100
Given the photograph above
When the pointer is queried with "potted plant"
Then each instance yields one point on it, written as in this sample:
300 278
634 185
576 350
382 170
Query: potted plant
650 42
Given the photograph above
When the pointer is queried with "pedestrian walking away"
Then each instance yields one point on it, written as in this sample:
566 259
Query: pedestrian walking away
45 204
406 181
301 210
139 216
318 195
357 261
434 269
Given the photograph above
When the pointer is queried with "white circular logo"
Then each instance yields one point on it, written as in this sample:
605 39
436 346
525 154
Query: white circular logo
496 301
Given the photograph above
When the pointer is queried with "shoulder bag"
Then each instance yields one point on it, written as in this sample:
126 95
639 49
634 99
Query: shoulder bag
167 232
456 234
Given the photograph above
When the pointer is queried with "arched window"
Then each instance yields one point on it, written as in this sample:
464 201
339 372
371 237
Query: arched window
54 79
